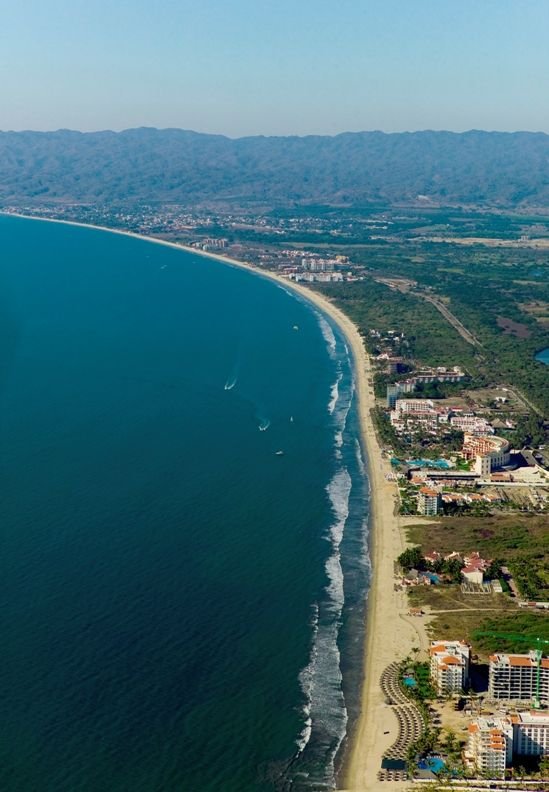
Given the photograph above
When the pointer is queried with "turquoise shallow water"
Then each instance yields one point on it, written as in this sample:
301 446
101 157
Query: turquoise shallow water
181 606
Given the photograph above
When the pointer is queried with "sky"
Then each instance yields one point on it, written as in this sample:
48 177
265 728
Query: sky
275 67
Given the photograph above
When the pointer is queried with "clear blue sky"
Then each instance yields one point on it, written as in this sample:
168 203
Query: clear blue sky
275 66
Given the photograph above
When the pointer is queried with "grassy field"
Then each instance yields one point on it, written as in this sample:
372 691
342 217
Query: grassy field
496 536
462 616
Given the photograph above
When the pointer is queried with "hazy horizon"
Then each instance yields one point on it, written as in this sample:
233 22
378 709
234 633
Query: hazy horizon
281 69
121 130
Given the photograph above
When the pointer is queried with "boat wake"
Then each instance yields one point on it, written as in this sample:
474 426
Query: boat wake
229 385
264 424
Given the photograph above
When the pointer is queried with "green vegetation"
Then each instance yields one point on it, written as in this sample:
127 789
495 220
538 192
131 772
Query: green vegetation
528 574
529 431
465 616
528 626
360 168
412 558
423 690
501 536
501 295
430 339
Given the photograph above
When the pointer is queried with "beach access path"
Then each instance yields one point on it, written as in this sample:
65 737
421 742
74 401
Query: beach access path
390 633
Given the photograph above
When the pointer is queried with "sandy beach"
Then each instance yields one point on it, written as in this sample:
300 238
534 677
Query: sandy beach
391 633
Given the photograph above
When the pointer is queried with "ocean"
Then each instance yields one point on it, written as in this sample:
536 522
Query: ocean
183 523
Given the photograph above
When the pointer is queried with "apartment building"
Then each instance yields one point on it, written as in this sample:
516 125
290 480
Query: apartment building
428 501
449 662
494 743
514 677
490 746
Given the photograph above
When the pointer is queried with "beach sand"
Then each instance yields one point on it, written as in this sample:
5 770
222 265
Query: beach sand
391 633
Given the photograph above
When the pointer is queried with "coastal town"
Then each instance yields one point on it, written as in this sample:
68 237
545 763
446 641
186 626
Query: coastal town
274 376
458 694
470 698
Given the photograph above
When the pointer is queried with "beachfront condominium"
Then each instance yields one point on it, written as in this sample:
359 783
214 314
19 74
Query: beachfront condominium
489 747
428 501
515 677
495 743
449 662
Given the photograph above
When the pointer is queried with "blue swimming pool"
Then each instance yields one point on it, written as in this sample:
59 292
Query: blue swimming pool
439 464
432 577
433 763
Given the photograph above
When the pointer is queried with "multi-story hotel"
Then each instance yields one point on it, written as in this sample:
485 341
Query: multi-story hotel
490 746
514 677
489 452
450 665
414 406
473 424
494 742
530 733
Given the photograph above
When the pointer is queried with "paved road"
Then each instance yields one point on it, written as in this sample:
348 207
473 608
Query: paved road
452 319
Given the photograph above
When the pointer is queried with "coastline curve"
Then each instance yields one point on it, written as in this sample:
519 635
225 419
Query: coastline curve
384 626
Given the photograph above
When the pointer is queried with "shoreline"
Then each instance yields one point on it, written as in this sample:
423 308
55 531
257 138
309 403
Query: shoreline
389 634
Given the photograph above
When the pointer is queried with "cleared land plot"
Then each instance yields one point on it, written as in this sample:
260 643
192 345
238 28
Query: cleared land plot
495 536
498 401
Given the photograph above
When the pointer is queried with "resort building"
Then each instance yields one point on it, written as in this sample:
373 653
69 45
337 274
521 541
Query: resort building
514 677
428 501
416 406
530 733
450 665
489 452
490 746
423 377
493 743
473 424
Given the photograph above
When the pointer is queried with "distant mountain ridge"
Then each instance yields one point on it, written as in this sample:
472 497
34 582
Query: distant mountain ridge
172 165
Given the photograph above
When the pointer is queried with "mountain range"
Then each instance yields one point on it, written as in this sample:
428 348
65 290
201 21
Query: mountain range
147 165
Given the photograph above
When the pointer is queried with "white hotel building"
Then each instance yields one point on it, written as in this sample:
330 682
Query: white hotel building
494 742
449 663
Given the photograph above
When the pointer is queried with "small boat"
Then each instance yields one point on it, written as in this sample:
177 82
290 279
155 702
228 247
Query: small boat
295 327
279 453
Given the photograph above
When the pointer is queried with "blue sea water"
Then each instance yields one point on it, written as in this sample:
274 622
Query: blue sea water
182 607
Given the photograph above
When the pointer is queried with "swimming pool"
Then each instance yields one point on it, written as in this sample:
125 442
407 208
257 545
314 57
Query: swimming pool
433 763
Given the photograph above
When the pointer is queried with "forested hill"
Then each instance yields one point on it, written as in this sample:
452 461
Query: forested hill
491 168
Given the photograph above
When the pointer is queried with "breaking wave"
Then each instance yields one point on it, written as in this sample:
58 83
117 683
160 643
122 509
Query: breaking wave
327 333
334 394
